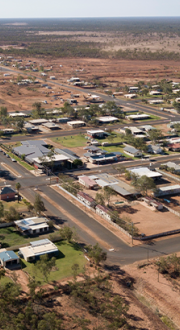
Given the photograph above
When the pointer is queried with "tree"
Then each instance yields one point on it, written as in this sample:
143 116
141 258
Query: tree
50 322
111 138
143 184
100 199
20 123
45 265
155 135
3 112
38 204
96 253
1 210
18 187
108 193
75 270
77 162
66 233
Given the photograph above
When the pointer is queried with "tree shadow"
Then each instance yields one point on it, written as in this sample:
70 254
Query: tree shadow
128 209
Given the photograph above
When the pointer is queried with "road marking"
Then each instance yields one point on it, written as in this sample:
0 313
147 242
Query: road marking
76 221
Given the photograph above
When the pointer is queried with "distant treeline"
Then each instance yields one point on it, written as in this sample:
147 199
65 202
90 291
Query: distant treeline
85 49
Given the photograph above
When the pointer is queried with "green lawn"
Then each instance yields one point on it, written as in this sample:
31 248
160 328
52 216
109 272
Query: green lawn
152 117
69 254
20 161
113 149
4 280
11 237
73 141
18 206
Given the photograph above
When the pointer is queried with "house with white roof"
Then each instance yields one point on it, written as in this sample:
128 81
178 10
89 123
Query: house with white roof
141 171
34 225
37 249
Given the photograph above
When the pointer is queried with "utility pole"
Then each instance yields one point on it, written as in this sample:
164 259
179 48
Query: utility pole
132 231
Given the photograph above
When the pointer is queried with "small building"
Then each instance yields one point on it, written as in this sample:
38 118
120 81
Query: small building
155 149
8 131
141 171
76 123
87 182
37 249
133 89
31 128
152 202
146 128
167 190
134 131
39 121
51 126
142 116
173 166
130 96
96 133
85 198
107 119
63 120
18 114
155 93
174 147
33 225
52 77
103 211
157 101
132 151
7 193
73 79
8 259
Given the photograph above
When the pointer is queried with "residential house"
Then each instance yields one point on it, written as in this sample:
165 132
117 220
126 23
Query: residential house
133 89
76 123
8 259
107 119
174 147
157 101
96 133
38 248
132 151
130 96
155 149
138 117
87 182
7 193
173 166
96 155
155 93
103 212
86 199
33 225
141 171
50 125
39 121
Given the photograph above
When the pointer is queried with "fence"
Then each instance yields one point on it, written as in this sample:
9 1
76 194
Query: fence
168 175
90 208
9 224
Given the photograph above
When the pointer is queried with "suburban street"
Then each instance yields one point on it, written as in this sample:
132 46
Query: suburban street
122 254
30 184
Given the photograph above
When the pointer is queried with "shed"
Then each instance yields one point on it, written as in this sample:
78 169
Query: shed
8 258
38 248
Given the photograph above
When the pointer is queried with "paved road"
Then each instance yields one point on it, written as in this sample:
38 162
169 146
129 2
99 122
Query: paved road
123 254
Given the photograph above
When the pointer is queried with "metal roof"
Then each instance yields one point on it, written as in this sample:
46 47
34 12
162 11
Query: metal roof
67 153
8 255
131 150
140 171
7 190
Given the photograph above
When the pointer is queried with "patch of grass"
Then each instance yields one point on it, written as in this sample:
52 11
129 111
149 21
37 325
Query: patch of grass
167 322
73 141
15 204
4 280
21 162
113 149
153 117
69 254
11 237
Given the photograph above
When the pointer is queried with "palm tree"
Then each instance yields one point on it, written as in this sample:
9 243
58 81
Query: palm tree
18 187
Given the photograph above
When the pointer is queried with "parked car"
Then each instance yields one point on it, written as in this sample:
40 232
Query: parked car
13 160
7 156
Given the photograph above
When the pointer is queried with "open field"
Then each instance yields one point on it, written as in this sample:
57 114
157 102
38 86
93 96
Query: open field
73 141
69 254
